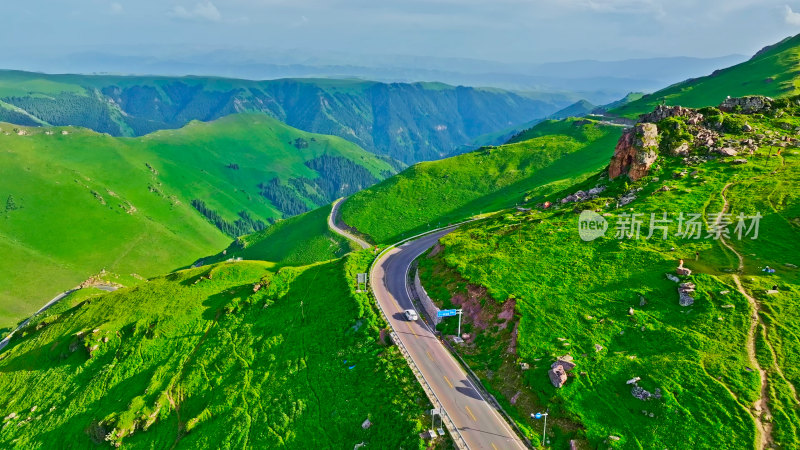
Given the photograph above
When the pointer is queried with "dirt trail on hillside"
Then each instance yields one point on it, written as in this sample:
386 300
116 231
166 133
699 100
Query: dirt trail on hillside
761 406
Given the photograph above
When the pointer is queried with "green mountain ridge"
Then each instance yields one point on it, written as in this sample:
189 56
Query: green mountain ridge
430 194
408 122
773 72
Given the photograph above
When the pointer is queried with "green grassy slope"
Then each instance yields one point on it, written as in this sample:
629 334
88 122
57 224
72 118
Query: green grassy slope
197 359
429 194
84 202
299 240
771 72
409 122
569 296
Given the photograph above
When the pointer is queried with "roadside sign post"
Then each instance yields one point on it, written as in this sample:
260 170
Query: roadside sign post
451 313
544 429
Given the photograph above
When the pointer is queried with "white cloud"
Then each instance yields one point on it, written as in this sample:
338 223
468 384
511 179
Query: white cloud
116 8
791 17
200 11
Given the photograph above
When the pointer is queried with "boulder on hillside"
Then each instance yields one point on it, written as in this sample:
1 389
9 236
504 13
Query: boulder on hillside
636 151
565 361
684 291
557 376
726 151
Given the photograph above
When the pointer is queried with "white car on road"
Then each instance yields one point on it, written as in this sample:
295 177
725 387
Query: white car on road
411 315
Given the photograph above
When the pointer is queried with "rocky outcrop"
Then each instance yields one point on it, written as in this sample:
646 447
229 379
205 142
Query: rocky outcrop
749 105
705 138
636 151
663 112
584 195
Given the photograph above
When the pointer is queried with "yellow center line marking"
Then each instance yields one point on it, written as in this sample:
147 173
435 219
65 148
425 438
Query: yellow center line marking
448 381
470 413
411 329
429 355
493 446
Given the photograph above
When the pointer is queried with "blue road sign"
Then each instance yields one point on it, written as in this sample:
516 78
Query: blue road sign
446 313
537 416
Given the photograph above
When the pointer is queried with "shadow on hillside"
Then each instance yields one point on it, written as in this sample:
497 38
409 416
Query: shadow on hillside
102 404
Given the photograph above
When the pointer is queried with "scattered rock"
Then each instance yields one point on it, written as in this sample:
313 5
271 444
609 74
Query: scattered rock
613 438
641 393
633 380
598 347
747 128
728 306
684 299
726 151
626 199
642 300
565 361
514 398
739 161
673 278
724 292
790 265
524 366
681 150
366 424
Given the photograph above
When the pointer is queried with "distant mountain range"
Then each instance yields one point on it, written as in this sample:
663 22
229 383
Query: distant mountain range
599 82
408 122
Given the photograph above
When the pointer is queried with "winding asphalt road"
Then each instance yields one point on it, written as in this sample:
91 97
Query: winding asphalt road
477 421
341 231
480 425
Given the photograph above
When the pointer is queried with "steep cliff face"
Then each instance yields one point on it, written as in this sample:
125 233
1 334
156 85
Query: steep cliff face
410 122
636 151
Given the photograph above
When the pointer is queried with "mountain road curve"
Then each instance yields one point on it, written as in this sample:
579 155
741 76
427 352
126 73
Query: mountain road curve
341 231
480 425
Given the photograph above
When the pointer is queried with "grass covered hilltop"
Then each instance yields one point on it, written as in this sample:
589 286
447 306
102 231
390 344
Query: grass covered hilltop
227 356
724 367
74 202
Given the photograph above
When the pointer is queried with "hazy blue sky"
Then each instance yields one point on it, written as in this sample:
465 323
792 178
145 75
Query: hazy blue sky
502 30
